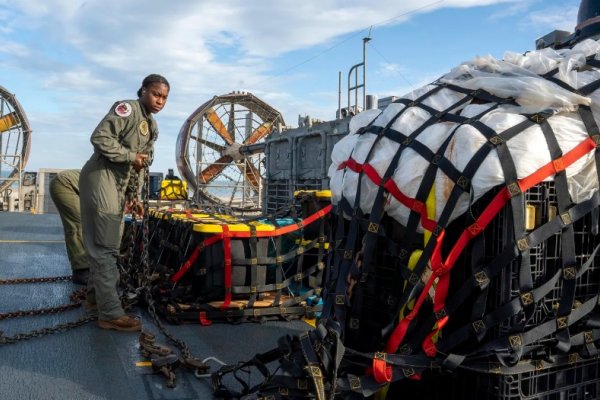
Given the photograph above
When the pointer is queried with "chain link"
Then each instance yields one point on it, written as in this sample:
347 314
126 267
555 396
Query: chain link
19 337
145 269
18 281
76 299
130 275
134 277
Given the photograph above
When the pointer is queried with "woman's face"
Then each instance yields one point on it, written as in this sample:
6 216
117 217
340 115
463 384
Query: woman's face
154 97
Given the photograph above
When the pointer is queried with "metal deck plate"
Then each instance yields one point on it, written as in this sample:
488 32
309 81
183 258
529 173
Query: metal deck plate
88 362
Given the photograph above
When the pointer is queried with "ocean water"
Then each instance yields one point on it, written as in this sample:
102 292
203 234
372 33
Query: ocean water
5 172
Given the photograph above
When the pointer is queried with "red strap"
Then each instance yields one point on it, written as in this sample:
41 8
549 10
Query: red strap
400 331
501 199
204 321
227 259
428 345
415 377
413 204
392 188
277 232
226 237
192 259
398 335
372 173
440 268
382 372
499 202
352 165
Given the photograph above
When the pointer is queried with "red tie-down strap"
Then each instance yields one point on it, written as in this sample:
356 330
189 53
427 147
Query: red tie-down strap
192 258
277 232
227 259
400 331
382 372
441 269
497 203
389 185
203 319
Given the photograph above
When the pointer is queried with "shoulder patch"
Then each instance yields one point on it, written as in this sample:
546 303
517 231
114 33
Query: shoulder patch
123 109
144 127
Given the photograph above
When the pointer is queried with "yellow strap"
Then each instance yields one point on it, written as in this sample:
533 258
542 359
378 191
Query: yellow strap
381 394
416 254
430 207
412 263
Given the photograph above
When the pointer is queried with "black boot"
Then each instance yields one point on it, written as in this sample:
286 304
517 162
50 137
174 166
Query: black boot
80 276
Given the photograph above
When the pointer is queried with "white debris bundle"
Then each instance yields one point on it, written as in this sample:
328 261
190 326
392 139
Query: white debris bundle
517 76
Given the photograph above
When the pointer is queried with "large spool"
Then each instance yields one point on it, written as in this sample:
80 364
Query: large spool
15 139
220 146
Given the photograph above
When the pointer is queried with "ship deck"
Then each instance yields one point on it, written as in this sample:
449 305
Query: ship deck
87 362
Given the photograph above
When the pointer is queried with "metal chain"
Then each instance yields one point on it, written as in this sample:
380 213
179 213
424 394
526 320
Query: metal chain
145 267
76 299
145 257
129 276
185 353
77 296
181 345
19 337
17 281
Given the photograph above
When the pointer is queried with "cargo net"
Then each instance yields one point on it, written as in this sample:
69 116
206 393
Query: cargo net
208 266
466 233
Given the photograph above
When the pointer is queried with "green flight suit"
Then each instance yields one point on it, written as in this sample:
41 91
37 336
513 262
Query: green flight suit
64 190
127 129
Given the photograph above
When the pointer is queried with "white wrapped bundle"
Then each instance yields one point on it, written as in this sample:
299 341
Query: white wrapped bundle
516 77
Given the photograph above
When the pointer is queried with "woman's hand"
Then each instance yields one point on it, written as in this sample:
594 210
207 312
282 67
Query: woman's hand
140 161
138 209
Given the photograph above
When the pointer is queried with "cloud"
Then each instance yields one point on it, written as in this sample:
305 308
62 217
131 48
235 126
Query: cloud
84 55
14 49
389 69
512 10
551 18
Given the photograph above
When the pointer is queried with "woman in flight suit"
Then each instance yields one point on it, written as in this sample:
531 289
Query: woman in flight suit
123 144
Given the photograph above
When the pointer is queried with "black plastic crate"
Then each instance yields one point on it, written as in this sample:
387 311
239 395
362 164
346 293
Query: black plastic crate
577 381
278 194
569 382
544 258
380 294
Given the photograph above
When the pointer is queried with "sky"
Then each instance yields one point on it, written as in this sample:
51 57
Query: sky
68 61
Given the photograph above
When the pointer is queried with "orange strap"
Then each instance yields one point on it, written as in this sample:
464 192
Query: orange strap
497 203
441 269
282 230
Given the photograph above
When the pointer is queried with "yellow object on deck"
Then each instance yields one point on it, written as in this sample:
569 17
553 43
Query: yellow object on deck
173 189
